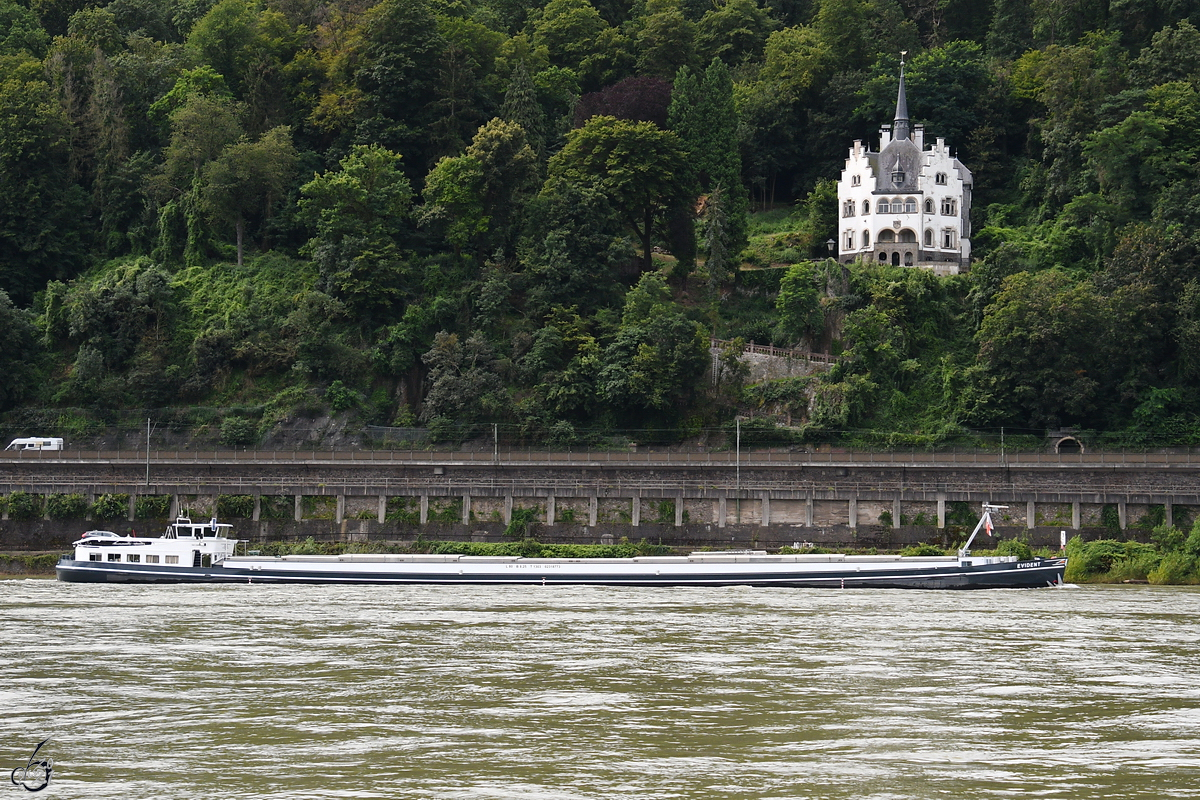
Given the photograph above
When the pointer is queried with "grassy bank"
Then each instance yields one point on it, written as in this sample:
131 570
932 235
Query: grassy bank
1172 558
28 563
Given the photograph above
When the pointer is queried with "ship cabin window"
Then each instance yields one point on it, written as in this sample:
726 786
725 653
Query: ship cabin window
910 206
133 558
114 556
171 559
151 559
93 556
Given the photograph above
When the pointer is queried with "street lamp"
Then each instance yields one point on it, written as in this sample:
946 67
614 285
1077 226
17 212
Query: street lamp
830 245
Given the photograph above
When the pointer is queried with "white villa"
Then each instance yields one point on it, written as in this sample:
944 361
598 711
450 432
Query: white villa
905 204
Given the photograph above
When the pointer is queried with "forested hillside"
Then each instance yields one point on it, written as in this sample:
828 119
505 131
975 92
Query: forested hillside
454 214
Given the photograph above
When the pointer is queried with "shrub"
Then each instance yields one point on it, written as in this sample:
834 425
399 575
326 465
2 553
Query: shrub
520 523
152 506
238 431
276 507
405 510
66 506
1014 547
1167 538
959 512
1110 518
22 505
448 511
236 506
885 518
110 506
1174 568
341 398
319 507
1191 545
923 550
1109 559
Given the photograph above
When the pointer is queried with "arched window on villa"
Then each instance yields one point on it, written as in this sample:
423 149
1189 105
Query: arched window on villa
928 238
866 239
866 207
928 205
910 205
883 206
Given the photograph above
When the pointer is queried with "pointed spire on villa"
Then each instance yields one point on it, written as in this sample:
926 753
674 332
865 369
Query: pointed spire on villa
900 127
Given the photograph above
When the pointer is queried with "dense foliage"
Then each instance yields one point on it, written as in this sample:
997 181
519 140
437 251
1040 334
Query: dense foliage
1173 557
459 213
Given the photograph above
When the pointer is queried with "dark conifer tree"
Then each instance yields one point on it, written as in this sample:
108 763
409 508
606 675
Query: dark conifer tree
1011 31
521 106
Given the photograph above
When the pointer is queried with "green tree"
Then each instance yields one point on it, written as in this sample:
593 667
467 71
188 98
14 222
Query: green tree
1071 83
521 107
653 364
703 113
1131 162
1038 348
248 177
664 40
799 305
360 213
577 38
395 60
41 211
574 248
734 31
562 366
224 39
20 31
640 168
454 201
463 385
19 348
1173 55
201 129
510 175
1011 31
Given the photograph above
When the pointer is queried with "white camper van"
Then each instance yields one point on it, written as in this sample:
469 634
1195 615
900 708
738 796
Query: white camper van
36 443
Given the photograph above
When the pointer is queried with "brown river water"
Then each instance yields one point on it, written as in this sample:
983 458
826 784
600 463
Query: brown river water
581 693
